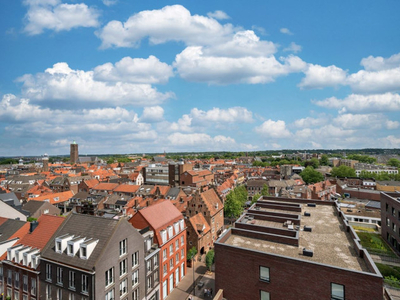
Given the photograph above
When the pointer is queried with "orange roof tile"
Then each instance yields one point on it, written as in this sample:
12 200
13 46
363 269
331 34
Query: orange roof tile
55 197
127 188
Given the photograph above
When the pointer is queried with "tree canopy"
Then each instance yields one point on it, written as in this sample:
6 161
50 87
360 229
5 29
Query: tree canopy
343 171
393 162
362 158
210 259
309 175
324 160
235 201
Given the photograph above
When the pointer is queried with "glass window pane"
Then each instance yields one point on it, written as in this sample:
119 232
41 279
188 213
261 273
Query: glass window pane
337 291
264 295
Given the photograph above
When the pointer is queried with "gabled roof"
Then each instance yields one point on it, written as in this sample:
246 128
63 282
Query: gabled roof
127 188
213 202
97 228
160 215
91 182
10 199
104 186
33 206
56 197
12 228
199 224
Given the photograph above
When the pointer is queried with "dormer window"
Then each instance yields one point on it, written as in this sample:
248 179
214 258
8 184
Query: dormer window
70 249
83 253
170 232
58 247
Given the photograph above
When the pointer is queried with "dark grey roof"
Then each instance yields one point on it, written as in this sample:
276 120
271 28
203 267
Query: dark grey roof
173 192
33 206
97 228
373 204
9 227
119 180
10 199
121 202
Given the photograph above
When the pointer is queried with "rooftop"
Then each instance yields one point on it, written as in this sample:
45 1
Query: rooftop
329 240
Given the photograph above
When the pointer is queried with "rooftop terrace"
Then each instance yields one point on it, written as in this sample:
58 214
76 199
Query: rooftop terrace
281 232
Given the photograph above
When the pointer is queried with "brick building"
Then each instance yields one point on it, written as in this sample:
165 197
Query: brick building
210 205
197 178
198 234
21 262
168 225
390 216
294 249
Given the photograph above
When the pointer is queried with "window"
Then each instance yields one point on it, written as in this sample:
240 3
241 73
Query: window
16 282
59 275
148 282
171 263
264 295
59 294
24 297
182 240
177 258
135 294
122 267
337 291
83 252
71 249
155 260
71 296
48 291
110 295
156 277
170 232
264 273
123 287
176 245
182 253
16 295
135 278
148 267
71 280
164 254
171 249
109 276
25 283
33 286
58 246
48 272
165 269
122 247
85 284
135 259
9 277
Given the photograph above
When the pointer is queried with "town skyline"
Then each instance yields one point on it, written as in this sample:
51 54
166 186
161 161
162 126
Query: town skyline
142 77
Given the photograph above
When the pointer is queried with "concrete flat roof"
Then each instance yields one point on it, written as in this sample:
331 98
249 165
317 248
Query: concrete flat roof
329 241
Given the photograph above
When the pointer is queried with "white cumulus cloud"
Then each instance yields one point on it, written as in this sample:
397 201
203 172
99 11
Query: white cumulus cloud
318 77
57 16
135 70
293 47
152 114
286 31
273 129
380 63
219 15
171 23
63 83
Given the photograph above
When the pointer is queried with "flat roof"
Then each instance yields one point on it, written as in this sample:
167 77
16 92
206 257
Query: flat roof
329 241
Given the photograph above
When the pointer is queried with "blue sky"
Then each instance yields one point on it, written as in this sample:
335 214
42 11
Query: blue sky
121 76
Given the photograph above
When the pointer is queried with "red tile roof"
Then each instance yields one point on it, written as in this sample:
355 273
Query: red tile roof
127 188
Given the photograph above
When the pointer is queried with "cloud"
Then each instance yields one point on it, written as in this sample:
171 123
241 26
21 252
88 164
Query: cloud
259 29
57 16
390 141
201 140
293 47
217 115
379 63
311 122
218 15
359 121
286 31
193 64
171 23
386 80
363 103
152 114
392 124
273 129
63 83
134 70
110 2
318 77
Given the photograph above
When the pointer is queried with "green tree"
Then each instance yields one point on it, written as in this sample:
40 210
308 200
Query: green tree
210 259
255 198
265 190
324 160
393 162
235 202
309 175
343 171
191 253
313 162
362 158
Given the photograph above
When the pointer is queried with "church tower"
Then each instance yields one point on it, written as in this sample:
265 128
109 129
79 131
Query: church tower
74 154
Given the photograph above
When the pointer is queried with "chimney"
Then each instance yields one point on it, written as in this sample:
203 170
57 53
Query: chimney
34 224
136 203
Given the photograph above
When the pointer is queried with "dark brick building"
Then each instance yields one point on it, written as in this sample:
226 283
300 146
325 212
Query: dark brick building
390 219
294 249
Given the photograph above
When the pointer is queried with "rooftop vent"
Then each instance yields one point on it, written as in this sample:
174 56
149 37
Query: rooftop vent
307 214
307 228
311 205
307 252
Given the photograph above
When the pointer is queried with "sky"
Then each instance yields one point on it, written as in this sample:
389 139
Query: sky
129 76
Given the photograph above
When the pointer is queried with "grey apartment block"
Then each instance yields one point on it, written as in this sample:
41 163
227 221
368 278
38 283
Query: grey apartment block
93 258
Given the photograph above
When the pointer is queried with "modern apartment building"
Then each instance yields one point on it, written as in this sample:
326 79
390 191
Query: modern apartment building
390 216
93 258
294 249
